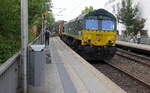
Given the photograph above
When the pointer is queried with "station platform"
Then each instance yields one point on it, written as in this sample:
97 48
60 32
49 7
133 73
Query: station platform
134 45
69 73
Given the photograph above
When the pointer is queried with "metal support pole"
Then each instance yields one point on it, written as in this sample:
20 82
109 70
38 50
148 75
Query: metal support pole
42 31
24 40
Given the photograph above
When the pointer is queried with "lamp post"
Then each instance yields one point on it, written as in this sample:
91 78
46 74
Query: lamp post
24 40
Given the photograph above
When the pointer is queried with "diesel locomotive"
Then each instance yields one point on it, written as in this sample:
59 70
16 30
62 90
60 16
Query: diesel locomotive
92 35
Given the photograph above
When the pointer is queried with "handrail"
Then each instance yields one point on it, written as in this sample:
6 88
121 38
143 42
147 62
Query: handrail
34 40
8 63
11 60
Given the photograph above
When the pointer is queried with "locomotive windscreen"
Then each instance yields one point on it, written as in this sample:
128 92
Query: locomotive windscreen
91 24
108 25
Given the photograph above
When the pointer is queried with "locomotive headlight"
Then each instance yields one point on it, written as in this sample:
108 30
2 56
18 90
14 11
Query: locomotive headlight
111 41
87 40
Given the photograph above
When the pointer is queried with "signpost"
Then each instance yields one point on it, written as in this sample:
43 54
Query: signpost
24 40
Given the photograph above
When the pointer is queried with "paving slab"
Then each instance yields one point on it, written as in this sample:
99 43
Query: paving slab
70 73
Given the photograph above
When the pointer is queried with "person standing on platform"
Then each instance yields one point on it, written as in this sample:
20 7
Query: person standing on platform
139 38
47 35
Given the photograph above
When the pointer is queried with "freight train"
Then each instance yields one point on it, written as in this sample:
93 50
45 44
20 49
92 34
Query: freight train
92 35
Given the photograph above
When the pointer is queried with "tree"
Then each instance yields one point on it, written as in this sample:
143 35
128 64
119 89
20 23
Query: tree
87 9
10 24
9 28
128 15
37 8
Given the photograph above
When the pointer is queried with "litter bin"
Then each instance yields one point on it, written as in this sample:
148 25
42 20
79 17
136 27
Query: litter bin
36 65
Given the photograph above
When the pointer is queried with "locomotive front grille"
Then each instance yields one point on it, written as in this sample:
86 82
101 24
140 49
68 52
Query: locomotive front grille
98 38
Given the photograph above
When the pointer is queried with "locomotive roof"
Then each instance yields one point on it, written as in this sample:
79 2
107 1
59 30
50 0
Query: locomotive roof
99 12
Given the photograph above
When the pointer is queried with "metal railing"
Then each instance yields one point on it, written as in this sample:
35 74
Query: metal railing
9 75
144 40
11 72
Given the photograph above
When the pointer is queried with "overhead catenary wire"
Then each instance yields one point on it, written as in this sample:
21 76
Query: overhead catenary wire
83 2
78 6
71 12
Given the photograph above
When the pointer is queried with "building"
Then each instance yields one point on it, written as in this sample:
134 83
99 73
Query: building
144 8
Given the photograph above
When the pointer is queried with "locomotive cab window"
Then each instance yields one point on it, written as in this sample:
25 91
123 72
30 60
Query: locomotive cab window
108 25
91 24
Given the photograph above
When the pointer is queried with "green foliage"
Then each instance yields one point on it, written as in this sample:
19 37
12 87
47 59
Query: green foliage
10 30
8 48
138 26
87 10
51 20
128 15
36 8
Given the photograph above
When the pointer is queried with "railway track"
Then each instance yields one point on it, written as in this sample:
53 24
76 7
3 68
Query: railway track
135 57
134 66
136 77
122 79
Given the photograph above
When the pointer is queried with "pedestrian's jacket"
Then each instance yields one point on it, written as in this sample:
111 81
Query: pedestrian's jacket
47 34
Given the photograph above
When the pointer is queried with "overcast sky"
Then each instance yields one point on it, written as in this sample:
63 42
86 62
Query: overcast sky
69 9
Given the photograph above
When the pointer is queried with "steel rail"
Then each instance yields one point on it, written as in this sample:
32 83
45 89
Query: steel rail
129 74
131 55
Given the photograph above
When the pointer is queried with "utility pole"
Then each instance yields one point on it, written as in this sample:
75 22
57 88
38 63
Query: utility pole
24 40
42 37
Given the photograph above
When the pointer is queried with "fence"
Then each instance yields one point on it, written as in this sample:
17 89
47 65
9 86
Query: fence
144 40
11 72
